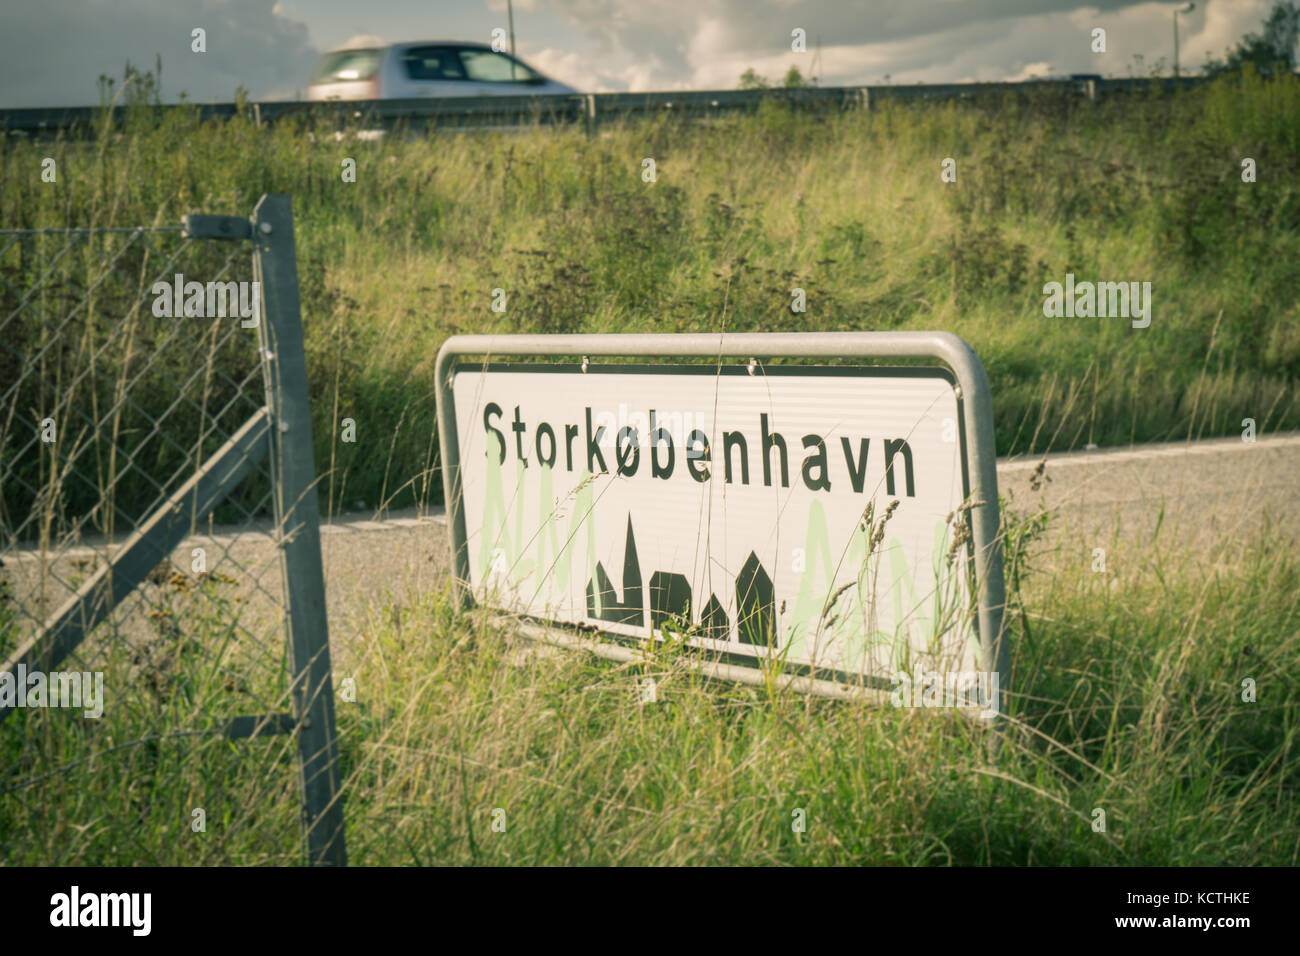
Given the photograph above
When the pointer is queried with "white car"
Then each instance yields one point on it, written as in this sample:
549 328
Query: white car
431 68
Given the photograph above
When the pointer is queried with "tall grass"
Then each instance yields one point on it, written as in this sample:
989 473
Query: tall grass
1127 689
1126 698
849 207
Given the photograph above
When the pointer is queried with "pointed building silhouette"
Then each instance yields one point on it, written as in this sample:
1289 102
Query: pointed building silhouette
755 604
630 610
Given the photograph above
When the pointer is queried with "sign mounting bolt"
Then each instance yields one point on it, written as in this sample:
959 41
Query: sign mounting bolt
266 228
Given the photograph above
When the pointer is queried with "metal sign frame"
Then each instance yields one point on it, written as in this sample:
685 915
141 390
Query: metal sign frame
973 396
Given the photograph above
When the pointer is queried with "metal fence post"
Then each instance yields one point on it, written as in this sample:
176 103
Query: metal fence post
297 519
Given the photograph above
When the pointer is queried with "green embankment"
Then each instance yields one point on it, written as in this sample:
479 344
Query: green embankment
849 207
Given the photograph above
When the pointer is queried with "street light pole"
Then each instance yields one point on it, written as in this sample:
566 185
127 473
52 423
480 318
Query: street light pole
510 13
1187 9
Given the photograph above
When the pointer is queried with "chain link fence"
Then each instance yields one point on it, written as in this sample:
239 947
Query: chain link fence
162 621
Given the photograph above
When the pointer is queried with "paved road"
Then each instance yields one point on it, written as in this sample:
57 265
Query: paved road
1204 499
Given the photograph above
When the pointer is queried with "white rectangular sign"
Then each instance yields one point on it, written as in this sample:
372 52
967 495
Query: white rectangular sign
812 513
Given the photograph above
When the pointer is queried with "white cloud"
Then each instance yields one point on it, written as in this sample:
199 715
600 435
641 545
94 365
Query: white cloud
1033 71
707 44
51 54
362 41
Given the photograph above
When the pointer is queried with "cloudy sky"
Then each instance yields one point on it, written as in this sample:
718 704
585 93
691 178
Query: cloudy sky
52 52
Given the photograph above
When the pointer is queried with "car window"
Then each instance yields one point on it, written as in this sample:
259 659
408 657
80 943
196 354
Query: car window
486 66
345 65
433 63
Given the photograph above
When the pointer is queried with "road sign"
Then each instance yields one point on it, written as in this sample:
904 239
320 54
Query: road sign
836 518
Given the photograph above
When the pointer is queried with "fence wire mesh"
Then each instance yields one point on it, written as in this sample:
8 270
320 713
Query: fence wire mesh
161 723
